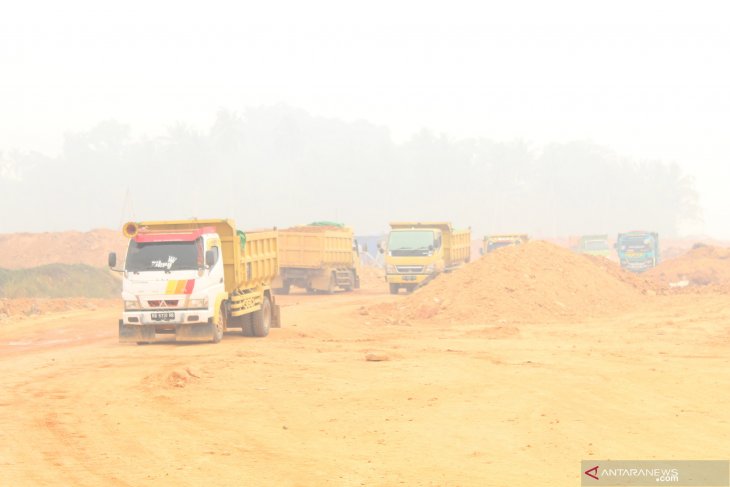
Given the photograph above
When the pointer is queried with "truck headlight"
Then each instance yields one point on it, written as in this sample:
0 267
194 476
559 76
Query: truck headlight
131 305
390 269
198 303
429 269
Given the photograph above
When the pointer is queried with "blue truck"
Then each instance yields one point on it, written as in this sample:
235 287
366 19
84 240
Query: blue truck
638 250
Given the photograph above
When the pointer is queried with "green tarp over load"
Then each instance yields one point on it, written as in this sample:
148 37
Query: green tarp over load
241 238
327 224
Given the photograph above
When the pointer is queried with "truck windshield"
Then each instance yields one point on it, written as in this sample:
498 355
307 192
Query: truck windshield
498 244
637 243
417 242
163 256
595 245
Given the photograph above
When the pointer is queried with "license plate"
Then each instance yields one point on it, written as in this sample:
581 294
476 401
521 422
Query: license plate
166 316
409 278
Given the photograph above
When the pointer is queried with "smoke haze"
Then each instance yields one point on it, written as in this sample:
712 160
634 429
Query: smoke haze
549 119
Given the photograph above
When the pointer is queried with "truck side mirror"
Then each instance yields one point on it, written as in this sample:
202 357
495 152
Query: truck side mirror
381 249
112 261
210 257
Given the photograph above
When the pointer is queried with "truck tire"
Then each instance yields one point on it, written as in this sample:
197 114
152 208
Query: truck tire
246 325
352 284
218 326
284 289
332 285
394 288
262 318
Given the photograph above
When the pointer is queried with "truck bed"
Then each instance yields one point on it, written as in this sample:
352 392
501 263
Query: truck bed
310 247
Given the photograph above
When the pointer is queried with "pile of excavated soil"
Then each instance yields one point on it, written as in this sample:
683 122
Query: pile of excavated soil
704 265
372 278
671 248
532 283
25 250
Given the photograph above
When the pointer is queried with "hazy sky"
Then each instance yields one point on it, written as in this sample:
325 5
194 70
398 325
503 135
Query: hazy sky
649 79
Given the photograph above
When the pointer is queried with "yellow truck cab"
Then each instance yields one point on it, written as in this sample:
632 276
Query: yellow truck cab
594 245
416 252
191 280
494 242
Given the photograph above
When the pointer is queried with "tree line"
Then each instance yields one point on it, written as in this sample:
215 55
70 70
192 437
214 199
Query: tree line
279 165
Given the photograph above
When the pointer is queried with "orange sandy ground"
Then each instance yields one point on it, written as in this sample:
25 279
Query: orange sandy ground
476 403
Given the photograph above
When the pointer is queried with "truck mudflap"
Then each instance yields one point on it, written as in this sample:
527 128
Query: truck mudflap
184 332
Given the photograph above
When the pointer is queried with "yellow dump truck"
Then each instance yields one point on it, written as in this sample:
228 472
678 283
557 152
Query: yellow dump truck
318 257
494 242
192 280
416 252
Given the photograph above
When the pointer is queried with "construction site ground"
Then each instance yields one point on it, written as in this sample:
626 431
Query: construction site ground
345 395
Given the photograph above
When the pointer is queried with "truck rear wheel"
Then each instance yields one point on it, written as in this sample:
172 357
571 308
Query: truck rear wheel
353 282
394 288
246 325
285 288
262 318
332 285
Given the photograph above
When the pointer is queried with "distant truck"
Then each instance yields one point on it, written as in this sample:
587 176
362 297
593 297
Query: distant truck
638 250
416 252
318 257
494 242
191 280
594 245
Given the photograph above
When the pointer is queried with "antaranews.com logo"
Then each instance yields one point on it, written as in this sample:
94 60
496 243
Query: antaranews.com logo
708 473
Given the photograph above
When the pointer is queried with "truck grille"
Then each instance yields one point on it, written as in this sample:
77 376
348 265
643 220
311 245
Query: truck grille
409 269
163 303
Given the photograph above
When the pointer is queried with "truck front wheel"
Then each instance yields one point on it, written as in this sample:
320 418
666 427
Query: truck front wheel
394 288
262 318
218 325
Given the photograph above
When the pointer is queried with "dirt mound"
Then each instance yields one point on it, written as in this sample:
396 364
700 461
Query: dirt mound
536 282
372 278
703 265
25 250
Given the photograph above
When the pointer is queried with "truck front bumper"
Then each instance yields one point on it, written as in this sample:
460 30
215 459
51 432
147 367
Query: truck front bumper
407 278
185 326
194 332
639 266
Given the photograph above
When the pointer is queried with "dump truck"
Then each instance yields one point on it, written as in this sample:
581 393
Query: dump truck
192 280
638 250
320 257
494 242
594 245
416 252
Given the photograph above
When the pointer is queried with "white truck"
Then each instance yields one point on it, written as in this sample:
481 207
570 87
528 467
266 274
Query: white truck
191 280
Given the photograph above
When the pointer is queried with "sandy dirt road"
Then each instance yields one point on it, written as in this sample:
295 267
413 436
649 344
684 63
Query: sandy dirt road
477 404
